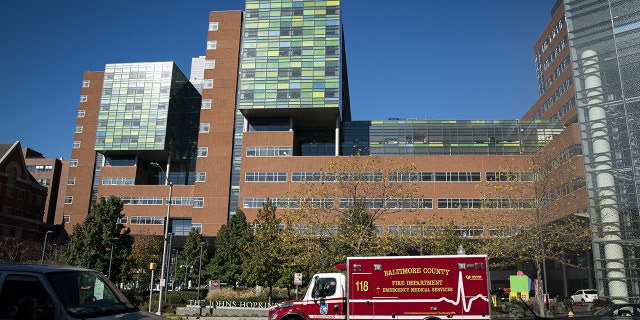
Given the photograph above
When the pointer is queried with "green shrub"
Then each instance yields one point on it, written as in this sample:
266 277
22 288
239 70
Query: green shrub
564 304
599 304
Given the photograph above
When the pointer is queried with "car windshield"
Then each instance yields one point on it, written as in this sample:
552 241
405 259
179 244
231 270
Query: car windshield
85 294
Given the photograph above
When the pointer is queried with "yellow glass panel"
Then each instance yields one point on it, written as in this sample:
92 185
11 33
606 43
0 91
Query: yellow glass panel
318 94
283 85
254 5
307 43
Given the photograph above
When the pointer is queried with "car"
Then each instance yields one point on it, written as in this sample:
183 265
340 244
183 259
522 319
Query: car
618 311
47 292
584 296
501 295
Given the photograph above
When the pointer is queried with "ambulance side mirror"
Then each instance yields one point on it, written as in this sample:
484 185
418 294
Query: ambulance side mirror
317 287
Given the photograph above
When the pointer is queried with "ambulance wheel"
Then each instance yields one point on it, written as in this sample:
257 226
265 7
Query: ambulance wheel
431 318
292 317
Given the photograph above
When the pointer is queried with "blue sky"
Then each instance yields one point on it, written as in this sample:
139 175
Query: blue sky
446 60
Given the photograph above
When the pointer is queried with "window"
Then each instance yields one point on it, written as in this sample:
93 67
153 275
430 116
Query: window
83 98
78 129
212 44
71 181
21 194
251 13
269 151
265 177
207 84
76 144
66 218
333 30
246 94
331 93
454 203
290 31
292 12
289 72
210 64
146 220
206 104
118 181
203 151
325 286
201 176
24 297
248 73
250 33
288 94
331 71
213 26
73 163
249 53
204 127
142 200
198 202
81 113
40 168
86 83
332 51
68 200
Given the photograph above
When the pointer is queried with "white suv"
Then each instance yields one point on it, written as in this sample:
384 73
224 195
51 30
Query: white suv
584 295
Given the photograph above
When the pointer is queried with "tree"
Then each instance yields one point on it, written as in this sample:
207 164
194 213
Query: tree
446 241
190 256
91 240
231 250
13 249
146 249
342 208
358 222
542 195
264 265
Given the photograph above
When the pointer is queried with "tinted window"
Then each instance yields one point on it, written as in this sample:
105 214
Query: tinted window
24 297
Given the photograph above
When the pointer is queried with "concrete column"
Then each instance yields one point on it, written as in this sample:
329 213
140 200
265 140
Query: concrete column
604 181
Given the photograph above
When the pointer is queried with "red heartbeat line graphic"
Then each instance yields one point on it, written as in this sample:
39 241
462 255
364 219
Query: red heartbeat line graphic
460 296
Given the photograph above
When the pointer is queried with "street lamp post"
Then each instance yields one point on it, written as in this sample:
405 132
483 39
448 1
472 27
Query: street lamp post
44 245
200 270
186 270
152 267
166 232
113 241
421 235
166 286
